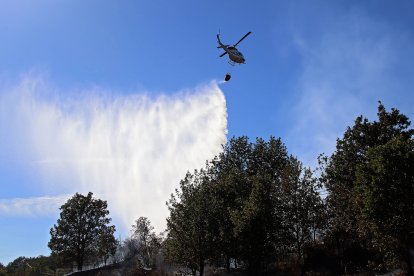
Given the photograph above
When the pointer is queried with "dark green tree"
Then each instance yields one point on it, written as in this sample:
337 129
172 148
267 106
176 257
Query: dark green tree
18 266
302 204
3 270
339 178
82 226
247 190
258 213
189 240
230 188
107 244
40 265
385 192
245 206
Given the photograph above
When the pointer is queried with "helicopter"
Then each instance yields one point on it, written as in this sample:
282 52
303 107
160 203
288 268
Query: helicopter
235 55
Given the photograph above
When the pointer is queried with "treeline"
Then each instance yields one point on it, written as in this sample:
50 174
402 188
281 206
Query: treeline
253 205
256 206
256 209
83 239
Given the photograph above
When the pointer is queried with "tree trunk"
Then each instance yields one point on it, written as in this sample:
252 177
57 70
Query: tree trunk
201 267
79 261
79 265
408 262
228 264
254 266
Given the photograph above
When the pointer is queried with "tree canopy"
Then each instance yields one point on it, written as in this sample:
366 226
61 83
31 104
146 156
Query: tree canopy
147 242
243 206
83 229
370 185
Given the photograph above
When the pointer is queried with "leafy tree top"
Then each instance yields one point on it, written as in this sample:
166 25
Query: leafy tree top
79 230
352 149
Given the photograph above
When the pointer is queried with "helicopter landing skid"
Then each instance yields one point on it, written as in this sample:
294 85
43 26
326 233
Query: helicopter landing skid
232 63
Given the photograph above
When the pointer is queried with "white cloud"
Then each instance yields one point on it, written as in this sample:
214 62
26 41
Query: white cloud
129 150
32 206
351 64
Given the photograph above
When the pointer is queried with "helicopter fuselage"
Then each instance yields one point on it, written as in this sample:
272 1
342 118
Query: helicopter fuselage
235 55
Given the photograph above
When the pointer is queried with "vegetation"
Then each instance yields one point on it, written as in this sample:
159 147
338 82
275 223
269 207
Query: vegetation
255 208
2 269
370 183
253 204
147 243
41 265
83 230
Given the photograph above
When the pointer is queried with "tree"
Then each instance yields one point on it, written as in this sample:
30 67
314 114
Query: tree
385 192
18 266
340 175
303 205
230 188
189 240
2 270
257 213
107 244
147 241
81 228
250 203
40 265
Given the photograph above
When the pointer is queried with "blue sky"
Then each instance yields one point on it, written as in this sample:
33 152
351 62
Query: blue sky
122 97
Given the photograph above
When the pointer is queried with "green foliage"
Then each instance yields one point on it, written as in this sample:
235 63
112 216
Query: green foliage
82 229
251 203
2 269
254 203
189 240
351 151
107 244
248 184
385 192
367 173
304 209
18 266
40 265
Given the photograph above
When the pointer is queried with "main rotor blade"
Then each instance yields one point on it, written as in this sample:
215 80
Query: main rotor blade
223 54
242 38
